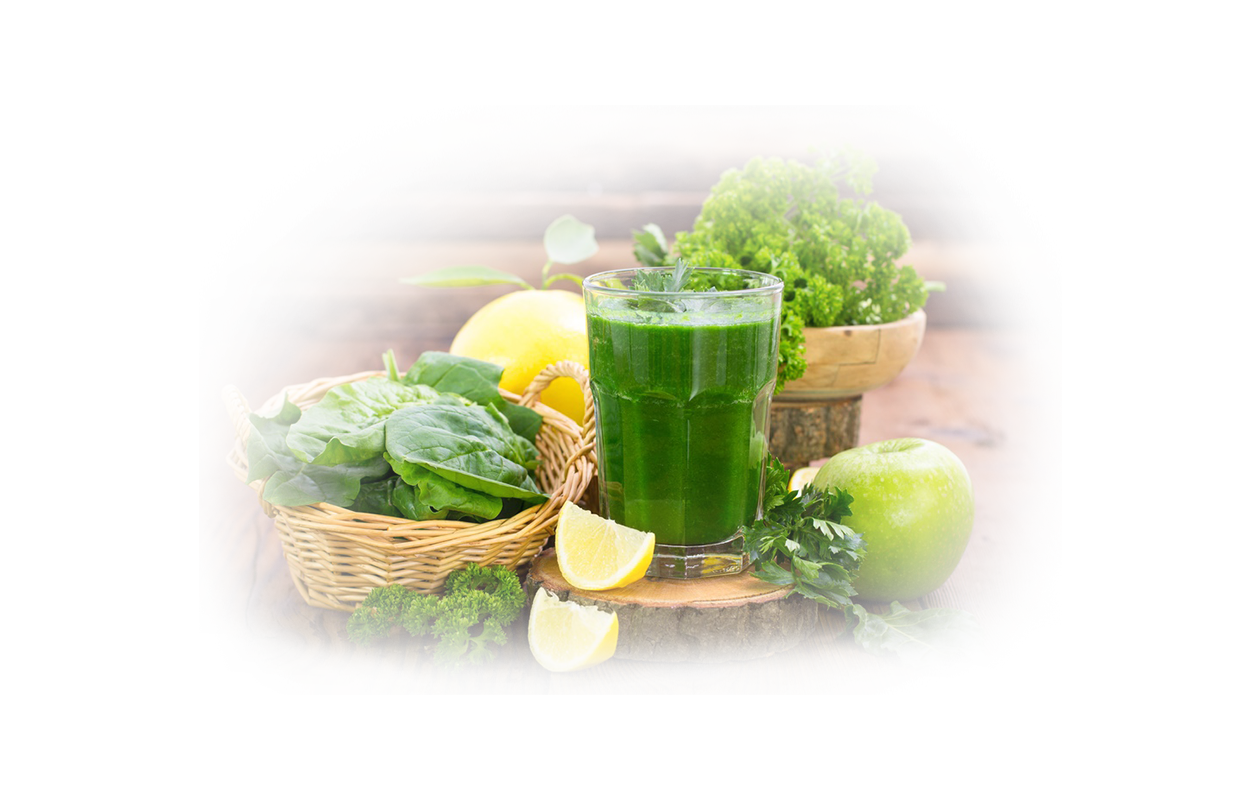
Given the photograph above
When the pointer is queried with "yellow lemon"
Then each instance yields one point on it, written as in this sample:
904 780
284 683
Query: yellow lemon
564 636
597 554
526 331
802 478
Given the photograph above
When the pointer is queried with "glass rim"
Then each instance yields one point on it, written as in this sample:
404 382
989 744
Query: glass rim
774 282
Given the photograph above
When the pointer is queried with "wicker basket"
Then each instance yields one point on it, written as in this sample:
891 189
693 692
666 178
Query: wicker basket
337 556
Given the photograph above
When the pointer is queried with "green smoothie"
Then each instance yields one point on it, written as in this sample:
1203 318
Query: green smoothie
681 407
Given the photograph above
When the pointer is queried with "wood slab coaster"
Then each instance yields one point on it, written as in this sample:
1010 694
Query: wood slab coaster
723 618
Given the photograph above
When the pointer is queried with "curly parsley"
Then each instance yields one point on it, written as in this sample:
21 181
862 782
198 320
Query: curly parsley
836 256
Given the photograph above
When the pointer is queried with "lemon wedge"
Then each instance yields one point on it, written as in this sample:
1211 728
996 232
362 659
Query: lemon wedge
565 636
598 554
802 477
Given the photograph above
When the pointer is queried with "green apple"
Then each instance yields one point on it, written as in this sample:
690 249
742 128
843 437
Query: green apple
913 505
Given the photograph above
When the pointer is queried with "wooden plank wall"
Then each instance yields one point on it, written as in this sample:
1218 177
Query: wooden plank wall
310 214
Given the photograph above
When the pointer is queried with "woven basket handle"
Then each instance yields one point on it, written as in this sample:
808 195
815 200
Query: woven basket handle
565 369
238 411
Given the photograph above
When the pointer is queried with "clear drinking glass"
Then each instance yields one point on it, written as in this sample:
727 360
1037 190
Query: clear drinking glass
682 382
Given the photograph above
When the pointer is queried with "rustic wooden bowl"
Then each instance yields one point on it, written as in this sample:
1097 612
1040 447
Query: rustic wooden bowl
848 361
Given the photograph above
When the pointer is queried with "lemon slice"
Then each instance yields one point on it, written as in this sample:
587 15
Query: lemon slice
565 636
802 477
597 554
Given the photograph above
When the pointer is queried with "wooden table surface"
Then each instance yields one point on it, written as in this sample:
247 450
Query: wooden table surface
981 389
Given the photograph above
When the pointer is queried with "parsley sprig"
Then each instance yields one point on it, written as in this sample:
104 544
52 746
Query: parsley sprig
660 280
800 542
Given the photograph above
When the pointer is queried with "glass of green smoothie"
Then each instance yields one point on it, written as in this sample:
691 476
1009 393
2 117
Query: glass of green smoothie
682 369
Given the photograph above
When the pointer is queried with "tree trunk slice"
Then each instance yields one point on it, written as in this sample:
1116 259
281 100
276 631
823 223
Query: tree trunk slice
811 430
723 618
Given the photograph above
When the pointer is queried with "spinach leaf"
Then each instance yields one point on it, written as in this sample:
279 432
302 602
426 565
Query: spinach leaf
473 450
266 447
475 379
433 497
347 425
524 421
912 634
472 446
291 482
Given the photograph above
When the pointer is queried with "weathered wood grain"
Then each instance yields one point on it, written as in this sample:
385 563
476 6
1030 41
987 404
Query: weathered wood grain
802 434
893 132
515 214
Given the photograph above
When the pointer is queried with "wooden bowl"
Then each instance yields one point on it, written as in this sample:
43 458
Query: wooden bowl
848 361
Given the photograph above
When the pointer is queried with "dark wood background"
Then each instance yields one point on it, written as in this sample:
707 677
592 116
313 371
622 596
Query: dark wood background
310 214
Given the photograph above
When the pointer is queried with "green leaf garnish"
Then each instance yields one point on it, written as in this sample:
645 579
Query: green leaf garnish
660 280
467 276
912 634
799 540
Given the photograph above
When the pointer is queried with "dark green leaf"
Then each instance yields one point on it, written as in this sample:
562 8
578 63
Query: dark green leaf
772 573
472 378
476 380
347 425
472 446
524 421
432 498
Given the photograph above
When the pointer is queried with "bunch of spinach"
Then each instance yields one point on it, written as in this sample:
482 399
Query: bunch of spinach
837 256
436 442
799 542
